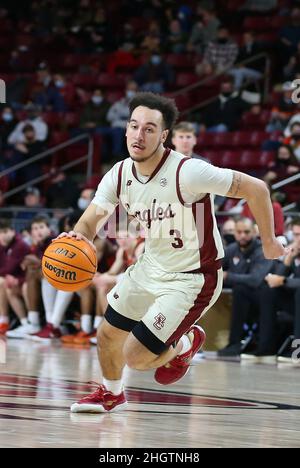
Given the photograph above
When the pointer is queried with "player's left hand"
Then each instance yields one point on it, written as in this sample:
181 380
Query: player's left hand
274 249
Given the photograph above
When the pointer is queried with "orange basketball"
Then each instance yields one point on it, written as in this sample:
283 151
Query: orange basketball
69 264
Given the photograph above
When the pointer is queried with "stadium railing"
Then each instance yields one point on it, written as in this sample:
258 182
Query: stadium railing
88 157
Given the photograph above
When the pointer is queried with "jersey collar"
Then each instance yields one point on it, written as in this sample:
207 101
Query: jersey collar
156 170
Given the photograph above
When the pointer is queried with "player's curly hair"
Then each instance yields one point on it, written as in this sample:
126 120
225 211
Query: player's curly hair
166 106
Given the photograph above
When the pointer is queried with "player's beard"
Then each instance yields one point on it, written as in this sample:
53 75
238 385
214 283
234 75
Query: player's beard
146 158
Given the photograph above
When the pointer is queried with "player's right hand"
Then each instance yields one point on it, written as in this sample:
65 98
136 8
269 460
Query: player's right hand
76 236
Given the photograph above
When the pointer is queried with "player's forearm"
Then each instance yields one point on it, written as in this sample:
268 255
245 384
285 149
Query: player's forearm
261 206
84 229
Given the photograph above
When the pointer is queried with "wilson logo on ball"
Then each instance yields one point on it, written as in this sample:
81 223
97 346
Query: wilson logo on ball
60 273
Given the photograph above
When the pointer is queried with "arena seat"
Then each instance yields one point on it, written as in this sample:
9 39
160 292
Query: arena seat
184 79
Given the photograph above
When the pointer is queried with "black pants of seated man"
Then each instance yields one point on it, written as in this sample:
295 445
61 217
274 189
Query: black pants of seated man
273 300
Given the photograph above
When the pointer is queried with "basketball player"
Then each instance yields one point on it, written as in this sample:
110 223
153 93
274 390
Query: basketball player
149 323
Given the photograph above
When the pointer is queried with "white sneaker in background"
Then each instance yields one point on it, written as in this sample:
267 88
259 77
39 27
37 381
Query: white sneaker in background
23 331
93 341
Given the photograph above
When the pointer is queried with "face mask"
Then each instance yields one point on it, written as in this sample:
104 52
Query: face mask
155 59
83 204
59 84
7 117
130 94
97 100
229 239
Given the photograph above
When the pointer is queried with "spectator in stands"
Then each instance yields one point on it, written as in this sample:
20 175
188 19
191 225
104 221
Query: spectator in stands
86 197
98 34
176 38
129 250
282 112
88 326
94 114
251 71
219 54
7 124
156 75
50 97
32 202
55 302
293 66
228 232
153 39
284 166
224 113
294 139
118 117
204 31
26 150
63 191
244 271
295 119
34 118
184 139
289 36
281 292
277 209
13 250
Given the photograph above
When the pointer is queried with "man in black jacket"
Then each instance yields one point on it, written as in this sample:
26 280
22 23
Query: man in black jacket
224 113
252 71
281 292
245 269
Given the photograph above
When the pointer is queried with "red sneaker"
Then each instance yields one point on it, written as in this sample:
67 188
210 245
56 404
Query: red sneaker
179 366
47 334
100 401
4 327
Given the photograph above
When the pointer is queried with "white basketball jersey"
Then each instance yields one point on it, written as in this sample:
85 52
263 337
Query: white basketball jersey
179 237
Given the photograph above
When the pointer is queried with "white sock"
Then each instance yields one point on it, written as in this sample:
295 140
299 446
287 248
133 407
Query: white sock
48 295
186 344
4 319
62 302
114 386
97 321
34 317
86 323
24 321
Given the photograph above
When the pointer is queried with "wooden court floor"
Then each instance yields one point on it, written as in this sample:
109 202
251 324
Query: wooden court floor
218 404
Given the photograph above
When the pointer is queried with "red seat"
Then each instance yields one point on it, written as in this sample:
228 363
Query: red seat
224 139
215 157
71 119
206 140
114 96
182 61
57 137
85 80
232 160
256 23
186 79
256 160
107 80
183 102
53 119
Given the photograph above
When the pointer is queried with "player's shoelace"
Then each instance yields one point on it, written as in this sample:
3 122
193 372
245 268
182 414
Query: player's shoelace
97 394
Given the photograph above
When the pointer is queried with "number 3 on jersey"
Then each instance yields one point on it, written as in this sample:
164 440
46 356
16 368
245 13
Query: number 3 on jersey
178 244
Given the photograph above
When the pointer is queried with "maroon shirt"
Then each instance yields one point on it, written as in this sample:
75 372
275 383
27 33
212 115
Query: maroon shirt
39 249
12 256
